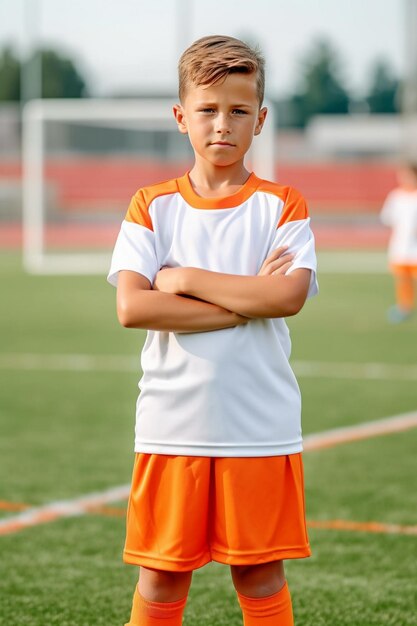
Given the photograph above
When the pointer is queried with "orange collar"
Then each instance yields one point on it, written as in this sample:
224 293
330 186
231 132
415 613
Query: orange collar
222 202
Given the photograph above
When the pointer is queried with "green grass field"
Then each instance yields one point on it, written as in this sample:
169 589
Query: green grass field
67 430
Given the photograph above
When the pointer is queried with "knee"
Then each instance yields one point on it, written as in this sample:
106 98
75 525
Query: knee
258 581
162 586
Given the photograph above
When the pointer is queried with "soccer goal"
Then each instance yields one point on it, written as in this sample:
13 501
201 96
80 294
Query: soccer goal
84 159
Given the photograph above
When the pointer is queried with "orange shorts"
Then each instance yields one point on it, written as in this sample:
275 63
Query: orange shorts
409 271
185 511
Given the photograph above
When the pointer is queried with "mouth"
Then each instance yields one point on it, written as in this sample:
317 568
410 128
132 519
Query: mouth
223 143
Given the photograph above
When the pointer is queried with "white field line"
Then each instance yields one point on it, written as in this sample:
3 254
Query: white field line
84 504
120 363
366 430
356 262
355 371
62 508
69 362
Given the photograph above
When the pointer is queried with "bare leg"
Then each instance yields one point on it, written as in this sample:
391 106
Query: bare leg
404 289
258 581
263 594
159 598
161 586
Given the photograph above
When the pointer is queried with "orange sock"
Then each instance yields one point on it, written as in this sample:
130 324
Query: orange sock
147 613
275 610
404 289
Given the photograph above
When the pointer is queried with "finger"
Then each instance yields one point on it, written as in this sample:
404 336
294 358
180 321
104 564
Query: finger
285 258
276 253
274 256
274 265
283 269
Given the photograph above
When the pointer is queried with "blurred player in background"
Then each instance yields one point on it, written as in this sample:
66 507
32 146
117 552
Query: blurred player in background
400 214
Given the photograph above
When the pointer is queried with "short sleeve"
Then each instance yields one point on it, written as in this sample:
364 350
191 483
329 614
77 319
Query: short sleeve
295 232
388 209
135 245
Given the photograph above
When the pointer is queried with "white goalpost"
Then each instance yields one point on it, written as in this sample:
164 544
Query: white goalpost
68 229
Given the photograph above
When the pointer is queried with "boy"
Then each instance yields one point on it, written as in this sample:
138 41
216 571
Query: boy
210 264
400 213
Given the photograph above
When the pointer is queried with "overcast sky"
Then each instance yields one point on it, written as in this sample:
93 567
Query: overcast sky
134 44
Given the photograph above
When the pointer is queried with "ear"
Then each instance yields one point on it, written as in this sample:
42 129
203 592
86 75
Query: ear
260 121
180 118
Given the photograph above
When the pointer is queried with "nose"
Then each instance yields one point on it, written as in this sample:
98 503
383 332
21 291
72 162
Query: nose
222 124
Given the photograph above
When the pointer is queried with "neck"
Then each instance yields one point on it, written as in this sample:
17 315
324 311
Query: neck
213 178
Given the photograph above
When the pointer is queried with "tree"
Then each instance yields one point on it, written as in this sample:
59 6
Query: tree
9 76
322 89
383 93
60 76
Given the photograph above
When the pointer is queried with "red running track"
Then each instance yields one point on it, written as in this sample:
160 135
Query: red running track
90 185
103 237
77 183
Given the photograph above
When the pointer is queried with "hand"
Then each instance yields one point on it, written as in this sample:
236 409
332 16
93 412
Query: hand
168 279
240 320
231 320
278 262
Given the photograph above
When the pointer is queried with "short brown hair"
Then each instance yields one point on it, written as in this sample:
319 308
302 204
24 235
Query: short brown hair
411 165
211 59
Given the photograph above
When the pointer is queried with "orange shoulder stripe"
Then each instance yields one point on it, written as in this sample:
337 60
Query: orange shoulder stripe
295 206
275 189
138 210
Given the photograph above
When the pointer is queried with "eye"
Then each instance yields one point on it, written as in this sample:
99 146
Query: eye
239 112
207 110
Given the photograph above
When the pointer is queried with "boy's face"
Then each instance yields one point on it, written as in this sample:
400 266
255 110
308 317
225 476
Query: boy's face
221 120
406 177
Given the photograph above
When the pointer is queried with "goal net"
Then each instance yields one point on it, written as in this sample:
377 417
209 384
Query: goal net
82 162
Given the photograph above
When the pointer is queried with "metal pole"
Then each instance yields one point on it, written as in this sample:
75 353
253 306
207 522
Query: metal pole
33 190
184 18
31 66
409 95
410 88
32 138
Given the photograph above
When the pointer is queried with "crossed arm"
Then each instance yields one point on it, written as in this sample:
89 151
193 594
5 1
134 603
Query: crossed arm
187 299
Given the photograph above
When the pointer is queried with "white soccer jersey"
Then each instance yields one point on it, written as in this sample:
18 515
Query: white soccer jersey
400 213
227 392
